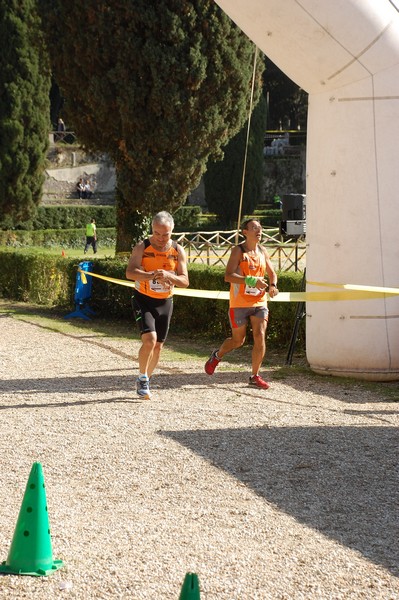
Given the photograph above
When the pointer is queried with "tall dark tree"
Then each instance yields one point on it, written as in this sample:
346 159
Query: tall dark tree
24 108
56 104
223 179
161 86
287 102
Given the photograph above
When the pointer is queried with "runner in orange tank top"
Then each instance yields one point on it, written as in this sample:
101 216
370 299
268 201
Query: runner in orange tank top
156 264
248 265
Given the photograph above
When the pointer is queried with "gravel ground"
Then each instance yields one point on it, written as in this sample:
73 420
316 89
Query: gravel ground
285 494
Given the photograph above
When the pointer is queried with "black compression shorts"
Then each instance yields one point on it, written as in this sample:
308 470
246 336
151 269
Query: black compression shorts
152 314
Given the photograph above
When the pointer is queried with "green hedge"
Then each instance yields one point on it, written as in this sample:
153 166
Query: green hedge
187 218
33 277
66 217
49 280
270 217
49 238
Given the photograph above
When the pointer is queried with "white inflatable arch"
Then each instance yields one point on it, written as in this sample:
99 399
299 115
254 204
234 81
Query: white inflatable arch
345 54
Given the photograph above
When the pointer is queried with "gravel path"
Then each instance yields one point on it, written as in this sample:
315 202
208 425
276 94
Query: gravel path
285 494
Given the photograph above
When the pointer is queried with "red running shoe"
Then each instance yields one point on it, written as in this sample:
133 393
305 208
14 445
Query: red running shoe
257 381
212 363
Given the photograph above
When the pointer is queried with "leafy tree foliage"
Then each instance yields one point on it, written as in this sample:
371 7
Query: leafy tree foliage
24 108
161 86
56 104
288 103
223 179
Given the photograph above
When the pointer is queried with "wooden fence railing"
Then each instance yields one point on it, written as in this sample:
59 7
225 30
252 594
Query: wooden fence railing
68 137
213 248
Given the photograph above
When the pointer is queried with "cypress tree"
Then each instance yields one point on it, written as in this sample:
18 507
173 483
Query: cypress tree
24 108
160 86
223 179
288 103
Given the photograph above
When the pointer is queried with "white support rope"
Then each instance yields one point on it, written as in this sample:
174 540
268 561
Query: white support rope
247 143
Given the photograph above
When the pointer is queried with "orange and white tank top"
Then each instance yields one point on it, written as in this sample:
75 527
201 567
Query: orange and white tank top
242 295
152 260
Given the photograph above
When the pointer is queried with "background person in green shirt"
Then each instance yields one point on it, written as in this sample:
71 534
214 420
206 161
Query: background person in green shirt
91 236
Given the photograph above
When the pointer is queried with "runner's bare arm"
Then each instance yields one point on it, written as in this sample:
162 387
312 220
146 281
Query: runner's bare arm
231 274
134 270
272 275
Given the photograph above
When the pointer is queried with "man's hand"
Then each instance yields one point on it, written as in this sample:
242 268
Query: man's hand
273 290
261 283
163 277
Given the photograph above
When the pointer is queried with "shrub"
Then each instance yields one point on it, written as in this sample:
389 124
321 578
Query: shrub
50 280
37 278
187 218
66 217
68 238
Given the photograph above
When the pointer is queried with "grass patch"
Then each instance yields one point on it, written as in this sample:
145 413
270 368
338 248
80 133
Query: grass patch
102 252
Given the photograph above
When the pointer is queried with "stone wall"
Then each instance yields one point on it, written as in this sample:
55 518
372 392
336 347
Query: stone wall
283 174
66 165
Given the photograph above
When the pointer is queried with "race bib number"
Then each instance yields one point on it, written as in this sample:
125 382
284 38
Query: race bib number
158 287
252 291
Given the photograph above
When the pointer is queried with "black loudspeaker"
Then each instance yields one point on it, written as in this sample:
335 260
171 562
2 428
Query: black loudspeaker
294 207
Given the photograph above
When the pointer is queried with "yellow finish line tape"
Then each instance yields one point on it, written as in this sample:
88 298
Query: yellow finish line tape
363 288
346 291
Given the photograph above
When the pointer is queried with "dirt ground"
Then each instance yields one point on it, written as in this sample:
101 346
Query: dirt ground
289 493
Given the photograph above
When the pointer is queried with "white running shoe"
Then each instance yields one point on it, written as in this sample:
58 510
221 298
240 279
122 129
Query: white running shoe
143 388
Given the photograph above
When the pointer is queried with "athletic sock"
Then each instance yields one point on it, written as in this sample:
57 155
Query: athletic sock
143 376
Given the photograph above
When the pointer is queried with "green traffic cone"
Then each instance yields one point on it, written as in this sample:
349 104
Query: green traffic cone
190 588
30 552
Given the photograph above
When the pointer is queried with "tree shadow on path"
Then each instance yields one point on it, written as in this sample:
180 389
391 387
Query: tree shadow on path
341 481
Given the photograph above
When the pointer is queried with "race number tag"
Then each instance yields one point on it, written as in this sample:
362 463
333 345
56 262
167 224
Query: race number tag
252 291
158 287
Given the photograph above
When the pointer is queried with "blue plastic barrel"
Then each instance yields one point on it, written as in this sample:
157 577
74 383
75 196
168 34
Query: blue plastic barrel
82 293
83 290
